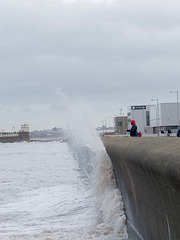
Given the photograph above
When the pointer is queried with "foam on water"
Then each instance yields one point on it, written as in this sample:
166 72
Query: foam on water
108 200
52 191
48 194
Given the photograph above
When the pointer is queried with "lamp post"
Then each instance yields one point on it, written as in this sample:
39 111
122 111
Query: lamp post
110 122
115 123
106 123
120 111
102 128
157 114
177 106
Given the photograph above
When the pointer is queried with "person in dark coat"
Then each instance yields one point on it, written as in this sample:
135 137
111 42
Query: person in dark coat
133 129
169 133
178 133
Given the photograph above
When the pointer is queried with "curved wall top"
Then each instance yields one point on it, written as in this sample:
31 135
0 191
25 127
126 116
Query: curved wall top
147 172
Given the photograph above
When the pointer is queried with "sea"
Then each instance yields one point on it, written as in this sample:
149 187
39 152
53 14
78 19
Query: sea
59 191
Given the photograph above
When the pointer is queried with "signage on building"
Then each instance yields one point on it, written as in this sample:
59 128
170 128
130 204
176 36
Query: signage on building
138 107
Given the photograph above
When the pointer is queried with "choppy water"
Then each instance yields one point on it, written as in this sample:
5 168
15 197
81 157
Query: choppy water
53 190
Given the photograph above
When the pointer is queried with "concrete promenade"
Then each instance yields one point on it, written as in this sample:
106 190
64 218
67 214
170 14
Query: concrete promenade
147 172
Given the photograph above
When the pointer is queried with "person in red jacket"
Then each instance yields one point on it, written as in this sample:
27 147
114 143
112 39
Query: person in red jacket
133 129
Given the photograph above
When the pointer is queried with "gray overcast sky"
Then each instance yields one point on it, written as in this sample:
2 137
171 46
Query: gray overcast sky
103 54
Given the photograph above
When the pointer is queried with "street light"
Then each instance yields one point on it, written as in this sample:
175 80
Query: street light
177 106
102 128
106 124
157 114
120 111
110 122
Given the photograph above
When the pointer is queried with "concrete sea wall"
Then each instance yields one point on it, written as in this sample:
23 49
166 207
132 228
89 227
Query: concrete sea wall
147 172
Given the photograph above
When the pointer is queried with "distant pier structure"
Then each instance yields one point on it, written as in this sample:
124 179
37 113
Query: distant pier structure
10 137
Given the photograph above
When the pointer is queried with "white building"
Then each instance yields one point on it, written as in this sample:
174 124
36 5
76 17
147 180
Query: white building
155 118
164 116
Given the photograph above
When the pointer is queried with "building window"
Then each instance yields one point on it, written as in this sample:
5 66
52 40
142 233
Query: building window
147 118
119 124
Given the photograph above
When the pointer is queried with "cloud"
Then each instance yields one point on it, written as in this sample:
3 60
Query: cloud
107 53
27 109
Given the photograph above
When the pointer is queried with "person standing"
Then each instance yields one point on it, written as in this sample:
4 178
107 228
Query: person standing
178 133
133 130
